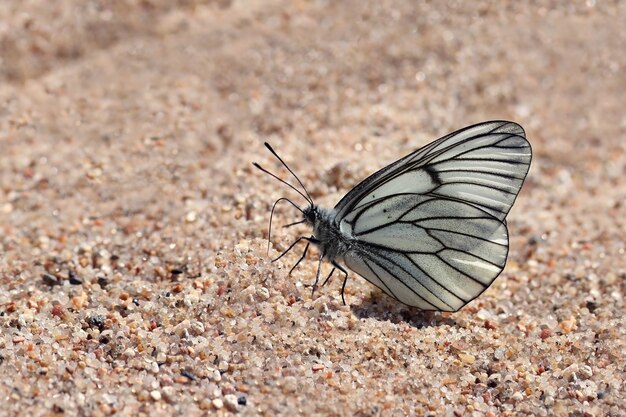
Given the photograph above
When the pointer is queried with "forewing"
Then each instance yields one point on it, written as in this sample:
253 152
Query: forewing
484 165
429 229
429 252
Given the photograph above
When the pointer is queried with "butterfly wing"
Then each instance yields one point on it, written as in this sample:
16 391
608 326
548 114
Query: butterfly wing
429 229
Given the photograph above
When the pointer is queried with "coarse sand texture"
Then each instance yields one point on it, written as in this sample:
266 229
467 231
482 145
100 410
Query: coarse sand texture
135 278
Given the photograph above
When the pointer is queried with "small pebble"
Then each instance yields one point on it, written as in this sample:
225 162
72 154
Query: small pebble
230 401
495 377
518 396
467 358
57 311
50 279
317 367
545 333
223 366
568 325
96 321
197 328
169 394
155 395
216 376
484 314
263 293
74 279
191 217
569 373
188 375
586 371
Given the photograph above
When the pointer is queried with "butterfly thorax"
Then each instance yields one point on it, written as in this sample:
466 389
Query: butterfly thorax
332 242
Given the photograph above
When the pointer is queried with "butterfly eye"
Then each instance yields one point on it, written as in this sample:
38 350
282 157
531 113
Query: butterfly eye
310 214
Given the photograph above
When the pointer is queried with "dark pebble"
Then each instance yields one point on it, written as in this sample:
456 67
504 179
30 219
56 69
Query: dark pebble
188 375
591 306
103 282
75 279
242 400
50 279
96 321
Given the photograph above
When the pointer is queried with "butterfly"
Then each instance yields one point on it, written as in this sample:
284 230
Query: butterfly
429 230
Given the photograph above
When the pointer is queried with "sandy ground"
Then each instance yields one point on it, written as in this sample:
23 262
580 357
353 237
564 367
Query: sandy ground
134 278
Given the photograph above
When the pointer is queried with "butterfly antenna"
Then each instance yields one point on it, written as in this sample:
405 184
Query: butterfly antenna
269 147
269 233
284 182
293 224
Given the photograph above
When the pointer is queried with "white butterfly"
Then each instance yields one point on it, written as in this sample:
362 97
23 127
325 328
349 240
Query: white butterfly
429 229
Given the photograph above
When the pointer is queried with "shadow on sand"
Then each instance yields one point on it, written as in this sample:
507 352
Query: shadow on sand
387 310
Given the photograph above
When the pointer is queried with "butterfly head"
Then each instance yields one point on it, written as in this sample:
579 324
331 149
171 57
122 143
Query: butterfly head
310 214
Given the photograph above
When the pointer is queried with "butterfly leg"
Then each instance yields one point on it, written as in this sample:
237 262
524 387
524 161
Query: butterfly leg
317 275
306 248
328 277
345 280
298 240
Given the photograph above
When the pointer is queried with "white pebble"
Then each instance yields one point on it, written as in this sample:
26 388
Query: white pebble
216 376
484 314
263 293
495 377
498 354
197 328
586 371
230 401
223 366
569 373
169 394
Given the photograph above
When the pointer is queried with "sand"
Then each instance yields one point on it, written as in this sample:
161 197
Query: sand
134 278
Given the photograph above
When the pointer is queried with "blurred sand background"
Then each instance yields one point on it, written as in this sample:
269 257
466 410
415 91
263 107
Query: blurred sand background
133 271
